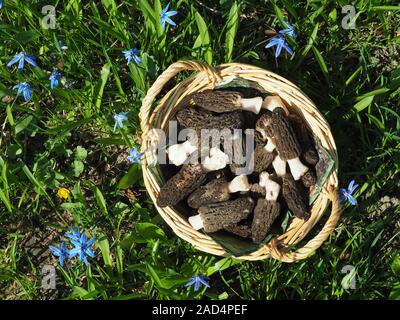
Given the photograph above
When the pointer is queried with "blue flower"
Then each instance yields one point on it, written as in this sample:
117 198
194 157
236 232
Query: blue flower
290 31
119 119
25 89
134 156
280 42
21 58
82 248
197 281
165 16
63 253
75 234
55 78
346 194
1 4
132 54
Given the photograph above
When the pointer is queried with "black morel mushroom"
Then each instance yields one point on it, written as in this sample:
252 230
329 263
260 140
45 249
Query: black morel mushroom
262 158
295 196
190 177
265 214
267 209
240 230
217 190
198 119
309 179
216 216
258 190
226 101
278 129
310 155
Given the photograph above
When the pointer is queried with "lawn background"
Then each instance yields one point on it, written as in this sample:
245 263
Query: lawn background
65 138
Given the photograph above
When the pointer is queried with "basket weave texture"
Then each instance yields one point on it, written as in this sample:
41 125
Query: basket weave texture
281 247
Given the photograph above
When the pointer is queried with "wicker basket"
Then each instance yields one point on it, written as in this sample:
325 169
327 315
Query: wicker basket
279 247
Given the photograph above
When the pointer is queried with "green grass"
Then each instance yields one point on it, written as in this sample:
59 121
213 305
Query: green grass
65 138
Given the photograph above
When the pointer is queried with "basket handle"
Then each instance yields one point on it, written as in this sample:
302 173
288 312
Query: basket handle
317 241
169 73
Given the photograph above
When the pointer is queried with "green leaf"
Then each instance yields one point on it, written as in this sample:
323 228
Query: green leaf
321 62
101 201
396 265
203 41
364 103
395 293
231 30
105 250
132 176
80 153
222 264
26 36
78 167
23 124
99 89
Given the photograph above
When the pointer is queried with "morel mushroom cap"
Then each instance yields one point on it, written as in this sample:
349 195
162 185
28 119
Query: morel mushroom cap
272 188
278 128
216 216
265 214
285 139
198 119
226 101
182 184
309 179
179 153
217 190
240 230
258 190
273 102
262 158
212 192
310 155
295 197
263 125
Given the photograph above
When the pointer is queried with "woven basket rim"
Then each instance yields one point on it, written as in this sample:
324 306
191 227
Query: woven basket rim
206 78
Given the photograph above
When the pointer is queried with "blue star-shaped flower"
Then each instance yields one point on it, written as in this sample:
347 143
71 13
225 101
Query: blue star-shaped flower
25 89
132 54
75 234
63 253
134 155
55 78
280 42
1 4
82 248
346 194
165 16
197 281
21 58
119 119
290 31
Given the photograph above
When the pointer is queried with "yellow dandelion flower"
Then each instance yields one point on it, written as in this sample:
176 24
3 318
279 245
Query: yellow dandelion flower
63 193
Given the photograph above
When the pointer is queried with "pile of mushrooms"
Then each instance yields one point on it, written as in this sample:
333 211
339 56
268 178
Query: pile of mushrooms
284 160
